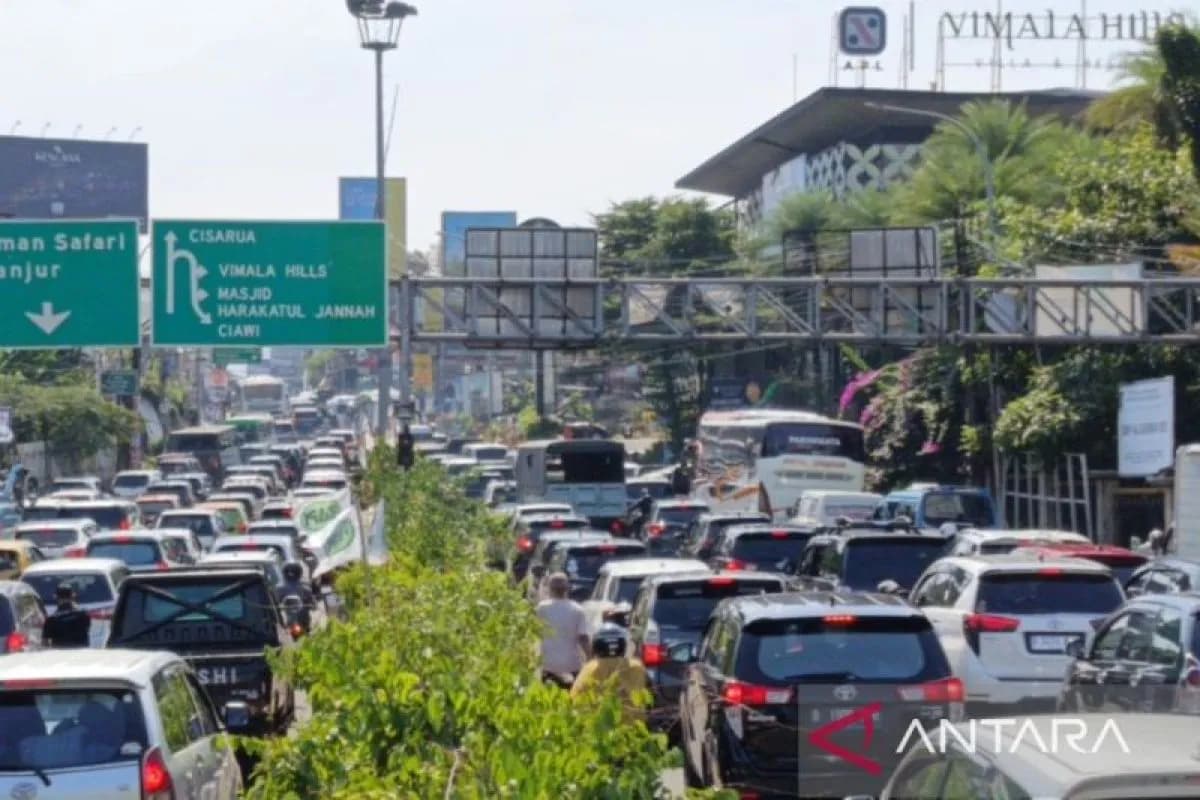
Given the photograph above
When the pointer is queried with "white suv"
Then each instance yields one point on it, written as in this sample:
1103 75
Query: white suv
1007 622
111 723
990 542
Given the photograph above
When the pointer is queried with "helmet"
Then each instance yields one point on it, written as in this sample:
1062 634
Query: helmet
292 572
610 641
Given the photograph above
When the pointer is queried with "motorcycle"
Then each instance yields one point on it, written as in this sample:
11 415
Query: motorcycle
296 616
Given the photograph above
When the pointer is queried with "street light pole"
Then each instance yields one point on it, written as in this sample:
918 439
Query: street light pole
989 175
379 31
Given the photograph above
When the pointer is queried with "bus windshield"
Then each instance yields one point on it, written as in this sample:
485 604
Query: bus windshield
592 465
813 439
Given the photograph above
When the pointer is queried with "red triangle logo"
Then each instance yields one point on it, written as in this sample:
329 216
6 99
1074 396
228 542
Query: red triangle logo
819 737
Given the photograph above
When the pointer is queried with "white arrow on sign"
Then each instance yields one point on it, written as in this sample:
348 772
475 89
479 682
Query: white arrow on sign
48 321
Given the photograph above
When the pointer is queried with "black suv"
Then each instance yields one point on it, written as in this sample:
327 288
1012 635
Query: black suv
810 693
666 529
548 542
1144 657
581 561
703 533
673 609
223 622
862 560
760 547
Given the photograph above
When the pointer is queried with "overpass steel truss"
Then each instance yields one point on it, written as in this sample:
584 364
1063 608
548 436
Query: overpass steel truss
531 313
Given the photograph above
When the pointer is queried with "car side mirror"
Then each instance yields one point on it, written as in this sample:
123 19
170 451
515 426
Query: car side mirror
237 716
682 653
1075 648
889 587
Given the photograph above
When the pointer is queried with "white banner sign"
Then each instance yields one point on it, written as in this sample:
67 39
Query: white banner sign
1146 428
6 434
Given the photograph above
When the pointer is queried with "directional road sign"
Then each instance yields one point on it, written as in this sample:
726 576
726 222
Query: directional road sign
862 31
223 357
231 283
68 284
119 382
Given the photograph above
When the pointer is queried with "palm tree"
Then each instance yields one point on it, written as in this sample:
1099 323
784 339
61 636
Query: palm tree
1140 100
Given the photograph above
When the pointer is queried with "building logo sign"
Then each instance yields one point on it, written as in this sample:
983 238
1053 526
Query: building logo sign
56 156
1136 26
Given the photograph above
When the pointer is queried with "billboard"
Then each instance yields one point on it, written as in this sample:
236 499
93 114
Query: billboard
356 201
73 179
454 235
1146 427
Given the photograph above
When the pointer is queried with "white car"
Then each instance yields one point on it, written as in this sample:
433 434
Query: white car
270 563
324 463
186 538
282 544
525 510
1008 623
96 581
85 482
130 484
990 542
58 538
825 507
332 480
324 452
63 710
75 495
618 583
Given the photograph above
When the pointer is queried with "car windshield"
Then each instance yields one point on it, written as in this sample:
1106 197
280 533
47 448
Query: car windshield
89 587
60 729
49 537
869 562
627 588
131 481
1048 592
971 508
134 554
687 606
586 563
766 550
880 649
680 516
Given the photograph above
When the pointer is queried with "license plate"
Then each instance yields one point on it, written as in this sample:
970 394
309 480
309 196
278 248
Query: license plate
830 714
1049 642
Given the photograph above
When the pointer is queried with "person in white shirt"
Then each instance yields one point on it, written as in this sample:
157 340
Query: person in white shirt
566 641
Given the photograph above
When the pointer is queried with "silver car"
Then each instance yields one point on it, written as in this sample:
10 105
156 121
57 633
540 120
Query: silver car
111 724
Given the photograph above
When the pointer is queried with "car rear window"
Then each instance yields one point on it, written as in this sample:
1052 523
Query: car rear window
767 549
883 649
196 523
155 507
107 517
285 530
277 512
326 484
558 525
131 481
1123 566
970 508
680 516
41 513
89 587
60 729
159 609
248 547
48 537
586 562
1046 593
687 606
134 554
869 562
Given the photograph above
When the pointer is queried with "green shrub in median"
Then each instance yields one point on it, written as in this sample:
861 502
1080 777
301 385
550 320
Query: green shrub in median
429 688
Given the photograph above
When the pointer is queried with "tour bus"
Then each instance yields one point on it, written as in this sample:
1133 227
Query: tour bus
214 446
765 459
264 394
588 475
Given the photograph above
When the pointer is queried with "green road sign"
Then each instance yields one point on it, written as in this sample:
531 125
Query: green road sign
119 382
223 284
69 284
223 357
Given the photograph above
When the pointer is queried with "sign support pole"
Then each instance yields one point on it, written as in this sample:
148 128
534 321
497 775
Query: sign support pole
385 362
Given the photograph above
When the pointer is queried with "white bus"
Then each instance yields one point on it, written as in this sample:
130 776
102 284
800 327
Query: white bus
587 474
264 394
763 460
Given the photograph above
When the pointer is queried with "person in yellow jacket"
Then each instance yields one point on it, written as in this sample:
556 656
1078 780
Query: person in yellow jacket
610 669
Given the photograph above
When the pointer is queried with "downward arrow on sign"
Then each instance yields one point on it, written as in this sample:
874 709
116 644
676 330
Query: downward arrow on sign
48 321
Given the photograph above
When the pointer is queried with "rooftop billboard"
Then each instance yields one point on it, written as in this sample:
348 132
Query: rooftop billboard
73 179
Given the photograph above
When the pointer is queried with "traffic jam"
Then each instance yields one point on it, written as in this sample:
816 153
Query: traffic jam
140 616
801 637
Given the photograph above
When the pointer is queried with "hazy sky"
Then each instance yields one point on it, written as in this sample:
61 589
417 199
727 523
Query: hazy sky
253 108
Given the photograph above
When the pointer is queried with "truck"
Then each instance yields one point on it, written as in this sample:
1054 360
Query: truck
223 623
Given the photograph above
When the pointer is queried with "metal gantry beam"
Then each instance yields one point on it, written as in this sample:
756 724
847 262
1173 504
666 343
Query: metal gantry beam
532 313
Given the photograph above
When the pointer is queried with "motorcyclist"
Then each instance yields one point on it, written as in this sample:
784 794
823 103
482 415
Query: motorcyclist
611 669
564 644
639 512
294 586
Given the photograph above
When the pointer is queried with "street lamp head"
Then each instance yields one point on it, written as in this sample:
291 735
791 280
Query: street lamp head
379 21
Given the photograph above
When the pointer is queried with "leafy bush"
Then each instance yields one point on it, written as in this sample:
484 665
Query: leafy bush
429 688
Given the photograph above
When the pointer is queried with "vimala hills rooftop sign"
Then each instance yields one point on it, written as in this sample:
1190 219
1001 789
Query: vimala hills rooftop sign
1009 27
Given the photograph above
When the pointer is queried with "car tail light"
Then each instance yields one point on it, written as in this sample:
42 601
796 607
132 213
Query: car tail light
156 779
948 690
558 523
524 544
779 534
720 581
75 552
243 527
653 655
839 619
617 527
1050 572
287 513
125 524
735 565
100 613
747 694
607 548
990 623
655 529
15 642
296 631
1192 678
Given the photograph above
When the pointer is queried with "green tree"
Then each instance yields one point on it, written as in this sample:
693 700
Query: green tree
1180 48
672 235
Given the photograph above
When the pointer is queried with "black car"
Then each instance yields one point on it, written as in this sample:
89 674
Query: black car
703 532
863 560
1168 575
549 541
666 530
1145 657
810 693
224 623
529 529
581 561
673 609
760 547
